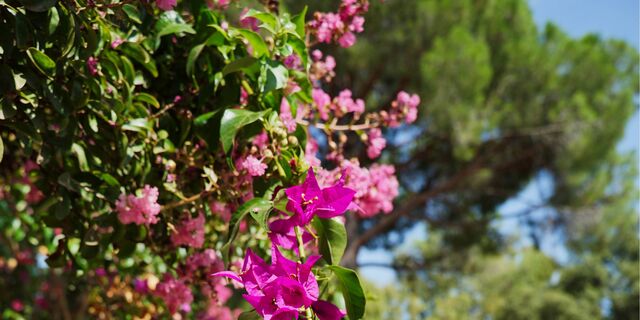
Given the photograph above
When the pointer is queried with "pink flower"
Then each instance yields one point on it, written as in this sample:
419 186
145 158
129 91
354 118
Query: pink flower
404 107
292 61
139 210
281 289
347 39
253 166
117 42
345 103
141 286
261 140
308 199
190 232
291 88
285 115
218 4
376 187
175 293
244 96
282 234
222 209
375 143
17 305
322 101
248 22
166 5
311 149
92 65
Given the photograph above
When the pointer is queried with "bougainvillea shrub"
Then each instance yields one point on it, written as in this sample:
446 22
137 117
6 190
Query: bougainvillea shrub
161 160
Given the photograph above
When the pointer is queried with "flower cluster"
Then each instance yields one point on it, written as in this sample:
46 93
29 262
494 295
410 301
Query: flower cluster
405 107
175 294
190 232
341 26
375 143
281 289
286 117
322 70
253 165
139 210
338 106
376 186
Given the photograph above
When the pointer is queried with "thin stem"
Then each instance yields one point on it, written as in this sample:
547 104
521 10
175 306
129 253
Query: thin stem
300 243
308 313
180 203
337 127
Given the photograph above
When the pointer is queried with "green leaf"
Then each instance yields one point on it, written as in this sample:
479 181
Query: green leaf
38 5
132 12
249 315
332 237
193 57
42 62
257 43
269 21
299 21
82 158
239 64
276 76
170 22
253 206
1 149
139 54
147 98
138 125
232 121
23 31
351 288
175 28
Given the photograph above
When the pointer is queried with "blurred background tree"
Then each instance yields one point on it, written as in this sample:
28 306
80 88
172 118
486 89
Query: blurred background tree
504 105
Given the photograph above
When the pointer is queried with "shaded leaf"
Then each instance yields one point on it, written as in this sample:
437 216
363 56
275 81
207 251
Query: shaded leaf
232 121
257 43
332 237
42 61
351 288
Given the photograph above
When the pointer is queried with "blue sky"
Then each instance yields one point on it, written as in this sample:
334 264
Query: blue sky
610 19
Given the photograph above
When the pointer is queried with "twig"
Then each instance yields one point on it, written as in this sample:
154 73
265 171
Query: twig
185 201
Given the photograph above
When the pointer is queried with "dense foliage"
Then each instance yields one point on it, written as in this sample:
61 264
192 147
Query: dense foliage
148 148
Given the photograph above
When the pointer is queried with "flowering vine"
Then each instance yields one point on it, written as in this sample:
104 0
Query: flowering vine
183 137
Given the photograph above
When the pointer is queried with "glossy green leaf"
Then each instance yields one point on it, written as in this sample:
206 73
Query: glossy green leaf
140 55
332 239
132 12
193 57
170 22
257 43
269 21
238 65
232 121
299 21
147 98
276 76
351 288
175 28
42 62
